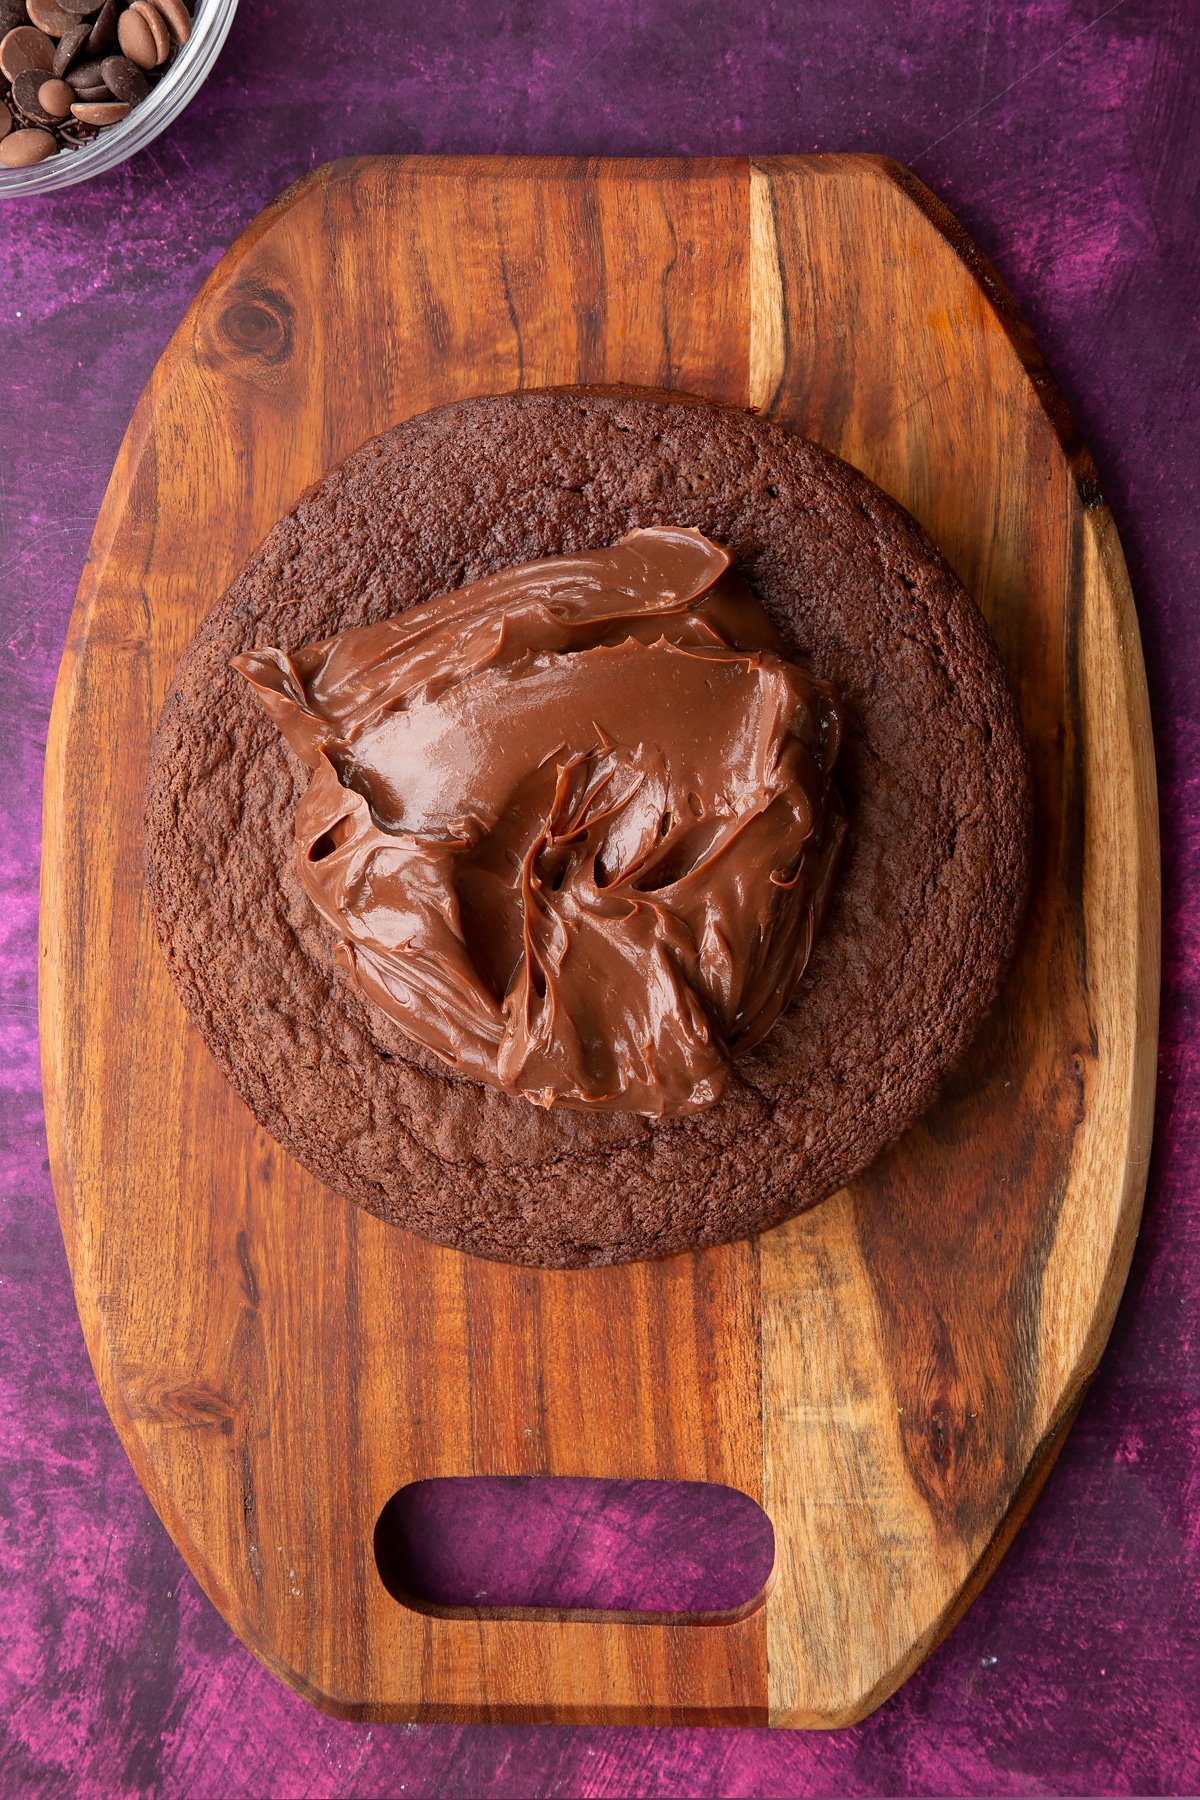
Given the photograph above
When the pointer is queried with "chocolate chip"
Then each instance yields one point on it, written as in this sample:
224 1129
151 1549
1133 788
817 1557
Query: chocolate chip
158 26
25 48
69 46
49 17
21 149
101 112
136 40
5 120
143 36
104 31
56 99
178 19
87 74
124 79
25 91
83 9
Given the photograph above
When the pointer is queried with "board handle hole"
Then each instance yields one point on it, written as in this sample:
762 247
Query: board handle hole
677 1551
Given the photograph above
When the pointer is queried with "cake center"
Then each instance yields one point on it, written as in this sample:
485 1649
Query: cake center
574 823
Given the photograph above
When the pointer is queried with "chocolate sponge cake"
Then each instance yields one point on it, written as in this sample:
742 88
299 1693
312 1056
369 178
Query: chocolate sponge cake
932 777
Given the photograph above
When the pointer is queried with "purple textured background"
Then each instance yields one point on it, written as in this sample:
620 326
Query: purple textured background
617 1546
1063 132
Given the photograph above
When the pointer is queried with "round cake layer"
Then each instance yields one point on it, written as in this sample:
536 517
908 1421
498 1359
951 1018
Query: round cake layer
933 774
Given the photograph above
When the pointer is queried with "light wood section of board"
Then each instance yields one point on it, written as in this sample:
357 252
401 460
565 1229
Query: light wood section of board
925 1335
890 1375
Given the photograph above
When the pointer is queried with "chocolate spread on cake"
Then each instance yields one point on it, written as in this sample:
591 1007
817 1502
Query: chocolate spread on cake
573 824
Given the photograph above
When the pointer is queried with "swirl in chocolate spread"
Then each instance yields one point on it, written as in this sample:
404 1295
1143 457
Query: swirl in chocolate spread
574 824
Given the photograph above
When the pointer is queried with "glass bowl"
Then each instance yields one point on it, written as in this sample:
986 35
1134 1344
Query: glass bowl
165 101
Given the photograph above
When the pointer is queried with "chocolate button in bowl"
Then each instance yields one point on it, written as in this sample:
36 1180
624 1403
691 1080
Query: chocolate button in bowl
5 120
12 14
101 112
56 99
69 46
25 48
124 80
104 31
88 74
139 40
25 90
158 27
178 19
49 17
21 149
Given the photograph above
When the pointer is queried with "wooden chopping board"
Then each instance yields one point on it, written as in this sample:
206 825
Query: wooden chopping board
891 1375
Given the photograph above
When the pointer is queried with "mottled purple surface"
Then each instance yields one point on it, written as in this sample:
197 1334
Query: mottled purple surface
614 1546
1063 133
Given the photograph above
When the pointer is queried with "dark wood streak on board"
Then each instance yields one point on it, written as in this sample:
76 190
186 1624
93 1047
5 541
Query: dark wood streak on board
589 304
890 1375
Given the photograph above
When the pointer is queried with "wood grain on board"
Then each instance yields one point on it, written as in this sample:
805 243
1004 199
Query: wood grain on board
890 1375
